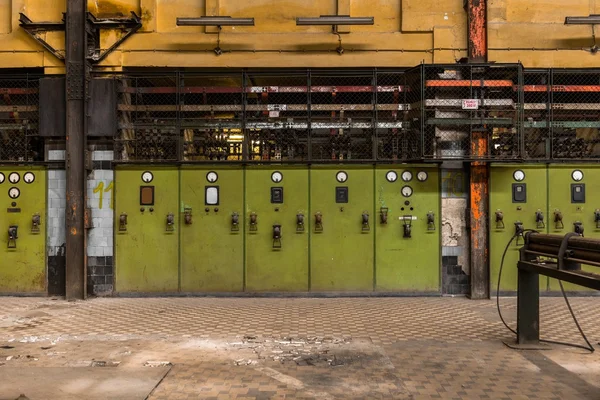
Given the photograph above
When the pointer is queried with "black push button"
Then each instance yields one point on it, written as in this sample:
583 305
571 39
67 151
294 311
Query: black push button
341 194
276 195
519 192
578 193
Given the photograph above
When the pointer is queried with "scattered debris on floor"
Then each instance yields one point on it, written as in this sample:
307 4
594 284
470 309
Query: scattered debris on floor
157 364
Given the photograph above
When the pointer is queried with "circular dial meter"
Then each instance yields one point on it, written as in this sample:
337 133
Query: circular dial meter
276 176
577 175
14 177
14 192
2 177
212 177
518 175
147 177
407 191
422 176
29 177
341 177
407 176
391 176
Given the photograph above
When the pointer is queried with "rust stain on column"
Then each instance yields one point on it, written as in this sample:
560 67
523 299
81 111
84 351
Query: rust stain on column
479 219
477 30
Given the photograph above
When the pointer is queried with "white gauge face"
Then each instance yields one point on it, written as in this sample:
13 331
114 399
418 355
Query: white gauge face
29 177
577 175
276 176
341 177
2 177
14 177
519 175
391 176
147 177
212 177
14 193
407 176
407 191
422 176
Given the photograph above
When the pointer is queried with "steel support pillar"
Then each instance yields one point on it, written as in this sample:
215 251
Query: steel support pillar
477 41
75 60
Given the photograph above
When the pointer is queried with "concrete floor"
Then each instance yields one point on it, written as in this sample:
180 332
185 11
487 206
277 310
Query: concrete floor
264 348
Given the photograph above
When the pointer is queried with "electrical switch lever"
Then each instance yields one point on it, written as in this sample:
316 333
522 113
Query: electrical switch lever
519 230
558 220
187 216
499 220
253 222
299 222
13 236
276 236
123 222
539 219
170 222
597 218
383 215
430 221
578 228
318 222
36 221
365 222
407 226
235 222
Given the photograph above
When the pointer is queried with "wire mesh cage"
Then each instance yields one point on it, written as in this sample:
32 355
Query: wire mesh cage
148 112
537 110
472 111
343 115
390 138
575 114
211 112
277 116
19 116
414 114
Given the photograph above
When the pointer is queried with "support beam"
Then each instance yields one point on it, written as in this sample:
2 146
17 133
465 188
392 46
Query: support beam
76 63
477 30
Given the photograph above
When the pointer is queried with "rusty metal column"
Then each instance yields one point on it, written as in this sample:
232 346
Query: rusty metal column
75 60
477 40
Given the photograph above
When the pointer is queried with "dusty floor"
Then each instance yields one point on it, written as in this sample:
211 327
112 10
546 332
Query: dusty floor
249 348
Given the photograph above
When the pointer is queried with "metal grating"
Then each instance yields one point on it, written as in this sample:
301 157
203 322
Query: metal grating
537 114
19 141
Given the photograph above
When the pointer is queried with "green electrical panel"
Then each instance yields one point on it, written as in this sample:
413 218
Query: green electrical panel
212 229
277 229
343 228
146 229
23 224
574 198
407 215
518 200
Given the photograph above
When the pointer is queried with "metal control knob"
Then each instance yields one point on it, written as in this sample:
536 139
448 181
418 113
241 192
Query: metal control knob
122 222
276 236
299 222
365 221
36 221
170 222
558 220
318 222
597 218
578 228
499 220
13 235
430 221
539 219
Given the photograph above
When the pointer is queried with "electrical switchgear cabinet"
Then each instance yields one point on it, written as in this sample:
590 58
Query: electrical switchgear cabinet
212 231
407 208
146 230
276 243
342 243
518 193
23 224
574 192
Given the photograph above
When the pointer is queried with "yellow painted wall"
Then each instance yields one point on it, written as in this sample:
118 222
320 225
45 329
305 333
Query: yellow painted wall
406 32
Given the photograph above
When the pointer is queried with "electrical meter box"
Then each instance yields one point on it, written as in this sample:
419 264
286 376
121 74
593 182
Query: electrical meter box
146 230
574 194
406 220
212 229
23 224
518 201
276 229
343 228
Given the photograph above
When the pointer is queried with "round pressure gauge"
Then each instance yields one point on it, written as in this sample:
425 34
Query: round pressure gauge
14 177
407 176
2 177
422 176
391 176
577 175
147 177
29 177
341 177
276 176
519 175
14 192
407 191
212 177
